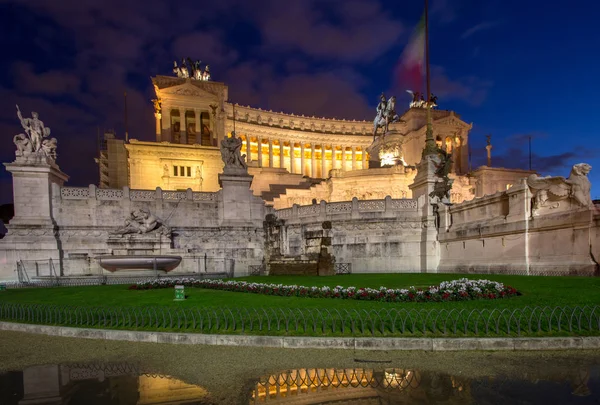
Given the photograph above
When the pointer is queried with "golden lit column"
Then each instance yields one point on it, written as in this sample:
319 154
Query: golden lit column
248 149
270 152
259 142
281 159
343 158
302 158
166 124
313 162
363 156
198 129
158 115
323 162
333 158
292 158
183 135
354 158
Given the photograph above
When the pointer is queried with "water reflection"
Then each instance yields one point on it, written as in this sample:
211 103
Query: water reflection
113 383
128 384
401 386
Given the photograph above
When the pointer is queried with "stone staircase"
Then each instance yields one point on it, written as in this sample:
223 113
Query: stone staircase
277 190
303 196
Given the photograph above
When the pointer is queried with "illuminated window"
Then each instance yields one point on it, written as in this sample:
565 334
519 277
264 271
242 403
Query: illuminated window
182 171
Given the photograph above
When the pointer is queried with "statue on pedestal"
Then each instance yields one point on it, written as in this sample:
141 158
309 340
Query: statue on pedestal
549 191
231 153
142 221
386 113
32 142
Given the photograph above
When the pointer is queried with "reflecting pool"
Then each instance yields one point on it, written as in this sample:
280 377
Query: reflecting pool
125 383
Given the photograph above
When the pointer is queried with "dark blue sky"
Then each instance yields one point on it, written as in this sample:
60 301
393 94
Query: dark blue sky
513 68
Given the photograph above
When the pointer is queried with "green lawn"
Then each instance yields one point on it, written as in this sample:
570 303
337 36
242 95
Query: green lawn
536 291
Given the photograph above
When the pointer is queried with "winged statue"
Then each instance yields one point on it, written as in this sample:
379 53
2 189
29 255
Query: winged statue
549 191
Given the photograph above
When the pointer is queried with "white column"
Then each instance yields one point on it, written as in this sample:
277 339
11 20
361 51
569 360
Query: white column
182 126
313 162
198 128
259 152
333 157
167 132
302 158
158 115
363 156
248 149
354 158
281 158
292 158
343 158
323 162
270 152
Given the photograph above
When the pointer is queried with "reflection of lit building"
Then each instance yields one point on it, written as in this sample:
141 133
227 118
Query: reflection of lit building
316 386
104 384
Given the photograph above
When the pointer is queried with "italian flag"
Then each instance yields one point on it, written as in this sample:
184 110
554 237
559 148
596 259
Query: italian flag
413 59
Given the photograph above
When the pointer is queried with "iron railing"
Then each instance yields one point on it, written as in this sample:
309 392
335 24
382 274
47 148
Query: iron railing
105 280
317 321
342 268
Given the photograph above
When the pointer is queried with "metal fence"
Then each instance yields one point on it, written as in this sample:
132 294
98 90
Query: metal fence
317 321
105 280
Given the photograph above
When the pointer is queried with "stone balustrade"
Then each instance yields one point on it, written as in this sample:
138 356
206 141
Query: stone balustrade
354 208
93 192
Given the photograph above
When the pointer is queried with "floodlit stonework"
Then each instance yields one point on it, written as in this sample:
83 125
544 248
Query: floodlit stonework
232 189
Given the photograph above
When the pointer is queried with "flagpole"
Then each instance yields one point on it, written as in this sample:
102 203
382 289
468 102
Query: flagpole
430 146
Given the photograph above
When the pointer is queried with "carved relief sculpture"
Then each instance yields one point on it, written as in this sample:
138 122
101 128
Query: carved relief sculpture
549 191
141 221
32 142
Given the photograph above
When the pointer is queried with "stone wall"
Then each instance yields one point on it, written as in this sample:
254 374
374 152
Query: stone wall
77 223
373 235
499 234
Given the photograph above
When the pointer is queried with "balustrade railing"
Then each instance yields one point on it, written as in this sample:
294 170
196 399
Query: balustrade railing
388 204
92 192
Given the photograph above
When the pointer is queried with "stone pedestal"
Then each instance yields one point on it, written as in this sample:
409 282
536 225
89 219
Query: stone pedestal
386 150
237 205
423 185
33 183
32 233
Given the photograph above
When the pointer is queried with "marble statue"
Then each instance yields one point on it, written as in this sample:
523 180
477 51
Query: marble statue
386 113
231 153
33 140
549 191
141 221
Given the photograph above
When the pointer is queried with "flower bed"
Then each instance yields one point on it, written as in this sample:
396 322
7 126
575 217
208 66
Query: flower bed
456 290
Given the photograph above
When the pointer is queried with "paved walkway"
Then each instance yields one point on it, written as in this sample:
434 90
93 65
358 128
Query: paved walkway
302 342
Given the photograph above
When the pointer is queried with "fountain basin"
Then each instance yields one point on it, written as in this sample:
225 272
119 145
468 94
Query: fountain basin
130 262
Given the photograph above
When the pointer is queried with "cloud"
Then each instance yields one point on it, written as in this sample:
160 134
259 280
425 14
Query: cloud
470 89
486 25
348 30
52 82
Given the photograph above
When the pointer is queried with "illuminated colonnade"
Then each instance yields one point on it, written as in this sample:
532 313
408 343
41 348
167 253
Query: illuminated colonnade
312 159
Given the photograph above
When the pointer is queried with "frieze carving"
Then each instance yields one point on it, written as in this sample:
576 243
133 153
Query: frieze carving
142 195
109 194
309 210
174 195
